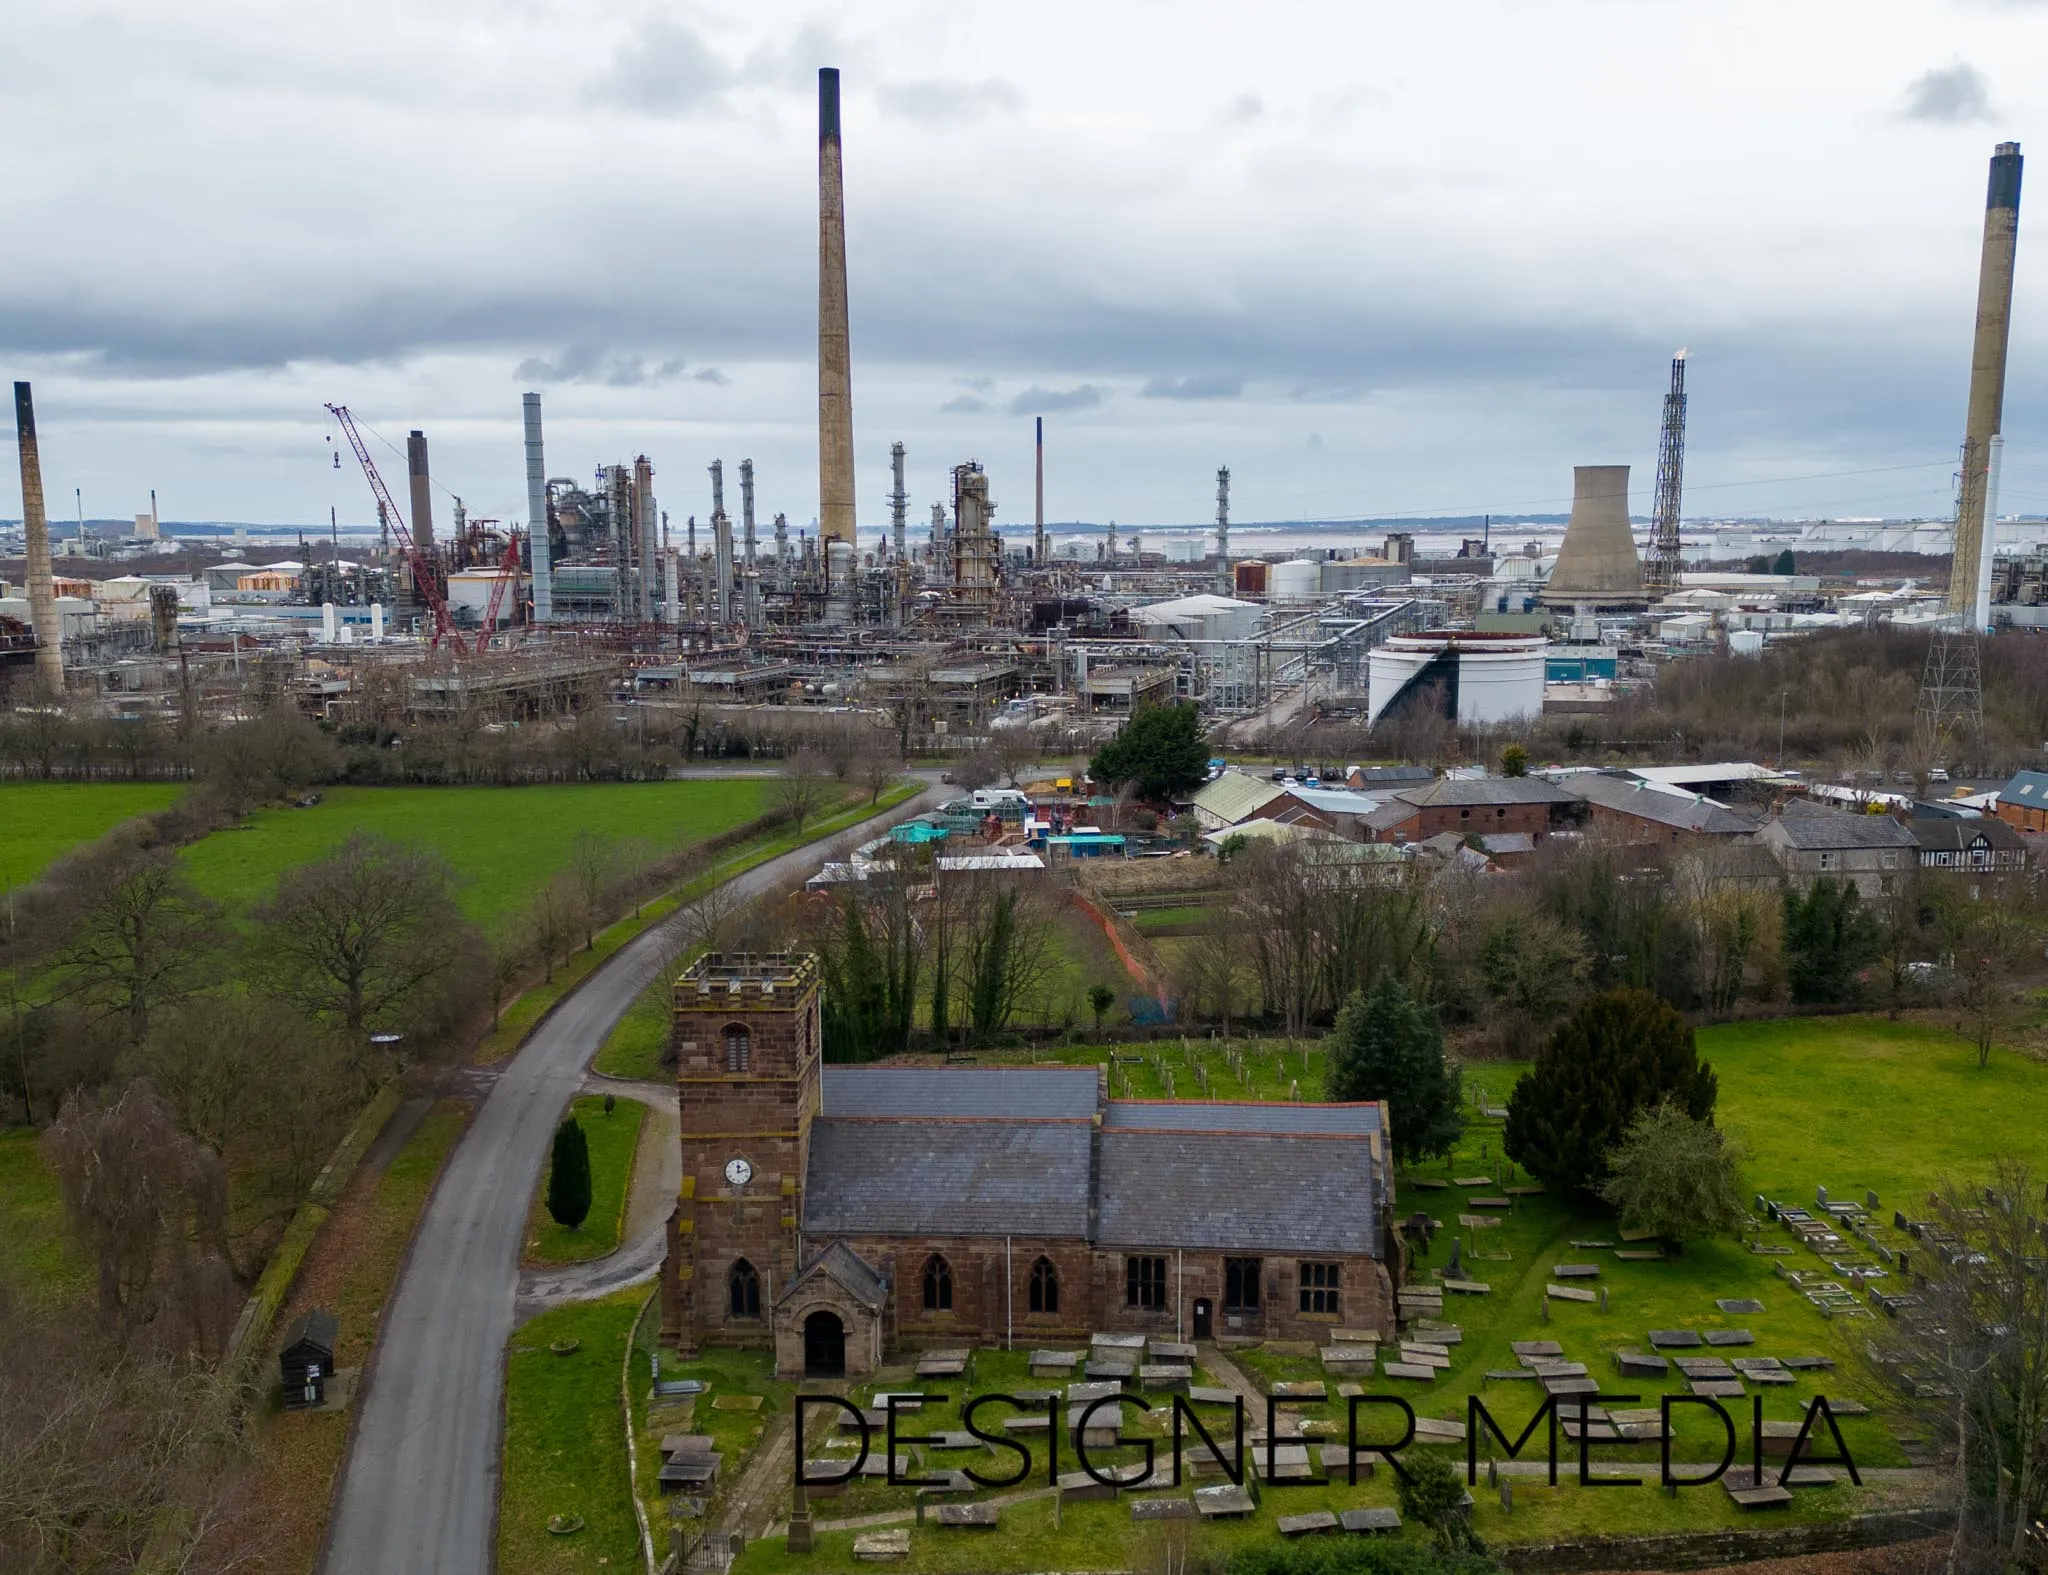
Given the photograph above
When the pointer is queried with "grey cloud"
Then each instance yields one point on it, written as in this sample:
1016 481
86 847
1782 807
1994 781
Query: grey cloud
1246 107
1949 96
1199 385
982 384
588 364
665 68
964 405
937 100
711 374
1036 401
795 64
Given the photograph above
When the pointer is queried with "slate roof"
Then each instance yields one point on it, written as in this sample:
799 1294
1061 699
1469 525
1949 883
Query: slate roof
1945 835
924 1177
1681 812
1813 828
867 1284
1468 791
316 1327
989 1093
2029 788
1172 1115
1335 801
1219 1191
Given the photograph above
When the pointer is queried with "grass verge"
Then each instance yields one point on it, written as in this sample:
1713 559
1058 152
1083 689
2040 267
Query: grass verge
613 1140
40 822
39 1259
565 1445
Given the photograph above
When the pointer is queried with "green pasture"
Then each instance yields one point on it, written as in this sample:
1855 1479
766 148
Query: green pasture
42 821
503 842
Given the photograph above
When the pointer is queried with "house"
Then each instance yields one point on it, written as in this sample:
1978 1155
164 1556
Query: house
1979 844
836 1214
1642 811
1233 797
1809 841
2023 802
1487 806
307 1361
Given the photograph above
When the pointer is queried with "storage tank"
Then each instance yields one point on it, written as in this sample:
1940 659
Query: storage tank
1296 581
1468 677
1251 577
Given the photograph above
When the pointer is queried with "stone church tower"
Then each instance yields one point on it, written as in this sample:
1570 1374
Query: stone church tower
747 1046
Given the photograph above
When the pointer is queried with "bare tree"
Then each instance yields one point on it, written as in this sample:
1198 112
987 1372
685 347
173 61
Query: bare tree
802 790
1987 934
878 767
552 921
142 936
594 868
1015 750
363 936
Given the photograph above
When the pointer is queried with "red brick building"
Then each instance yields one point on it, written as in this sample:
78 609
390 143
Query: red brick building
833 1213
1476 806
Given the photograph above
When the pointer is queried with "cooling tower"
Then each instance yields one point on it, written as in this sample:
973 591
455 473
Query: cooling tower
1598 565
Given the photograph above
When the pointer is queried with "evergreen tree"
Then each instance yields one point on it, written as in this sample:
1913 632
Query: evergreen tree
1162 751
1785 563
1828 936
1619 1053
1388 1045
569 1177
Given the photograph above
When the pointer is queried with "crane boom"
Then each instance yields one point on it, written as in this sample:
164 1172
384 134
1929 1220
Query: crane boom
508 573
422 570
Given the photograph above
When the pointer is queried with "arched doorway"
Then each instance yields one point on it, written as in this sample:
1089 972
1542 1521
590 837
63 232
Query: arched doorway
824 1346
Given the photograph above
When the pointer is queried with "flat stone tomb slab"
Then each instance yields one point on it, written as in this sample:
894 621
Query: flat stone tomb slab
1203 1395
1313 1521
940 1367
1081 1394
1111 1369
979 1516
878 1466
1718 1388
1535 1191
1370 1520
1414 1370
1037 1397
1570 1293
1674 1339
1167 1377
1170 1351
1576 1271
1080 1487
688 1444
953 1439
1424 1359
1468 1287
1597 1431
1225 1501
906 1404
1432 1427
1637 1255
1024 1424
1810 1364
1570 1386
1775 1377
1054 1364
1546 1368
1479 1221
1132 1343
1730 1337
1433 1347
1637 1364
878 1545
1471 1181
1527 1348
1592 1246
1490 1203
1353 1337
1505 1374
1846 1407
1739 1304
1162 1509
1311 1389
1438 1333
1333 1459
1704 1366
1751 1491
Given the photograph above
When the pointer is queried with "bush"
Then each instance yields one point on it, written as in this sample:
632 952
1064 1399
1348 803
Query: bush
569 1177
1828 937
1675 1176
1162 751
1618 1054
1431 1495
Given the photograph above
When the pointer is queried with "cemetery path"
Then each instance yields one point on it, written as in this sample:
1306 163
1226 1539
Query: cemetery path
419 1490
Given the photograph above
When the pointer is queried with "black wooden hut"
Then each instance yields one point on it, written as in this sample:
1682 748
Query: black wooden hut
307 1361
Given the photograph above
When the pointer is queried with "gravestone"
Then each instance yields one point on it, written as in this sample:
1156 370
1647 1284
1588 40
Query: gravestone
1370 1520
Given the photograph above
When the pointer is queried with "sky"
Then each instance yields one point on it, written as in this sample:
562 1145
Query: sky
1379 259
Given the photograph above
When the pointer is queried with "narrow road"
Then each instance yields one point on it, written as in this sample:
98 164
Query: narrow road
419 1491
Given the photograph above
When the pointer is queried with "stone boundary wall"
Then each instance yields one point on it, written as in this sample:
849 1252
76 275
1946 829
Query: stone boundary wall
1709 1549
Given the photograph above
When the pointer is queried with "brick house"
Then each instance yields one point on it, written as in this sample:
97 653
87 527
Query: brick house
834 1213
1482 806
1640 811
1810 841
2023 802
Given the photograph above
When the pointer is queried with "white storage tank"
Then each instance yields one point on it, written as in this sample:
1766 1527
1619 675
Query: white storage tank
1471 677
1295 582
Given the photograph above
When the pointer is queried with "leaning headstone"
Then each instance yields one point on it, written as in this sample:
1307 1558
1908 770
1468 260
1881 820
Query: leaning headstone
1870 1200
1224 1501
1302 1525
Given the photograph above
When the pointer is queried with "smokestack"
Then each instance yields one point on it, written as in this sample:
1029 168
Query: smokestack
539 548
721 545
422 493
1223 584
643 536
1038 546
1986 416
42 585
782 551
899 503
835 357
747 511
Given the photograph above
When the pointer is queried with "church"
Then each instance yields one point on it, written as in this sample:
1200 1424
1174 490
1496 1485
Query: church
835 1214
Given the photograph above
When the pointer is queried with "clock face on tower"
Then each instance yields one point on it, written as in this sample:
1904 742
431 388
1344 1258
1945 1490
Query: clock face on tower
738 1172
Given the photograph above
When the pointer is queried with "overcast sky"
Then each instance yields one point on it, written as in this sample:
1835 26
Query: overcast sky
1377 258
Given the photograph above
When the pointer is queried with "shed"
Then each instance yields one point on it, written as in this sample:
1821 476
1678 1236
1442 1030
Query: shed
307 1360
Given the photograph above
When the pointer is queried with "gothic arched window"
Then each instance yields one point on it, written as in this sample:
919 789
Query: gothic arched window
745 1286
938 1285
739 1048
1045 1287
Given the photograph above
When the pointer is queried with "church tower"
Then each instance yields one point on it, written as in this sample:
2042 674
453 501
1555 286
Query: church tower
746 1038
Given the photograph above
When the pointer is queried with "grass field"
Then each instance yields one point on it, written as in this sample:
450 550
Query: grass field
565 1443
613 1140
37 1255
503 842
42 821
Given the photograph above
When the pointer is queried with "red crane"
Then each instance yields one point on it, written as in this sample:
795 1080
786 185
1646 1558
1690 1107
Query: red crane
422 570
508 574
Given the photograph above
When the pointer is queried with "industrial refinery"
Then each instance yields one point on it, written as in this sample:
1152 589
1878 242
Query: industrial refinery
663 578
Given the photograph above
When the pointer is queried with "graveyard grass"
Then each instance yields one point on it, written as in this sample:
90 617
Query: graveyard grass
565 1447
504 843
1850 1104
613 1141
42 821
